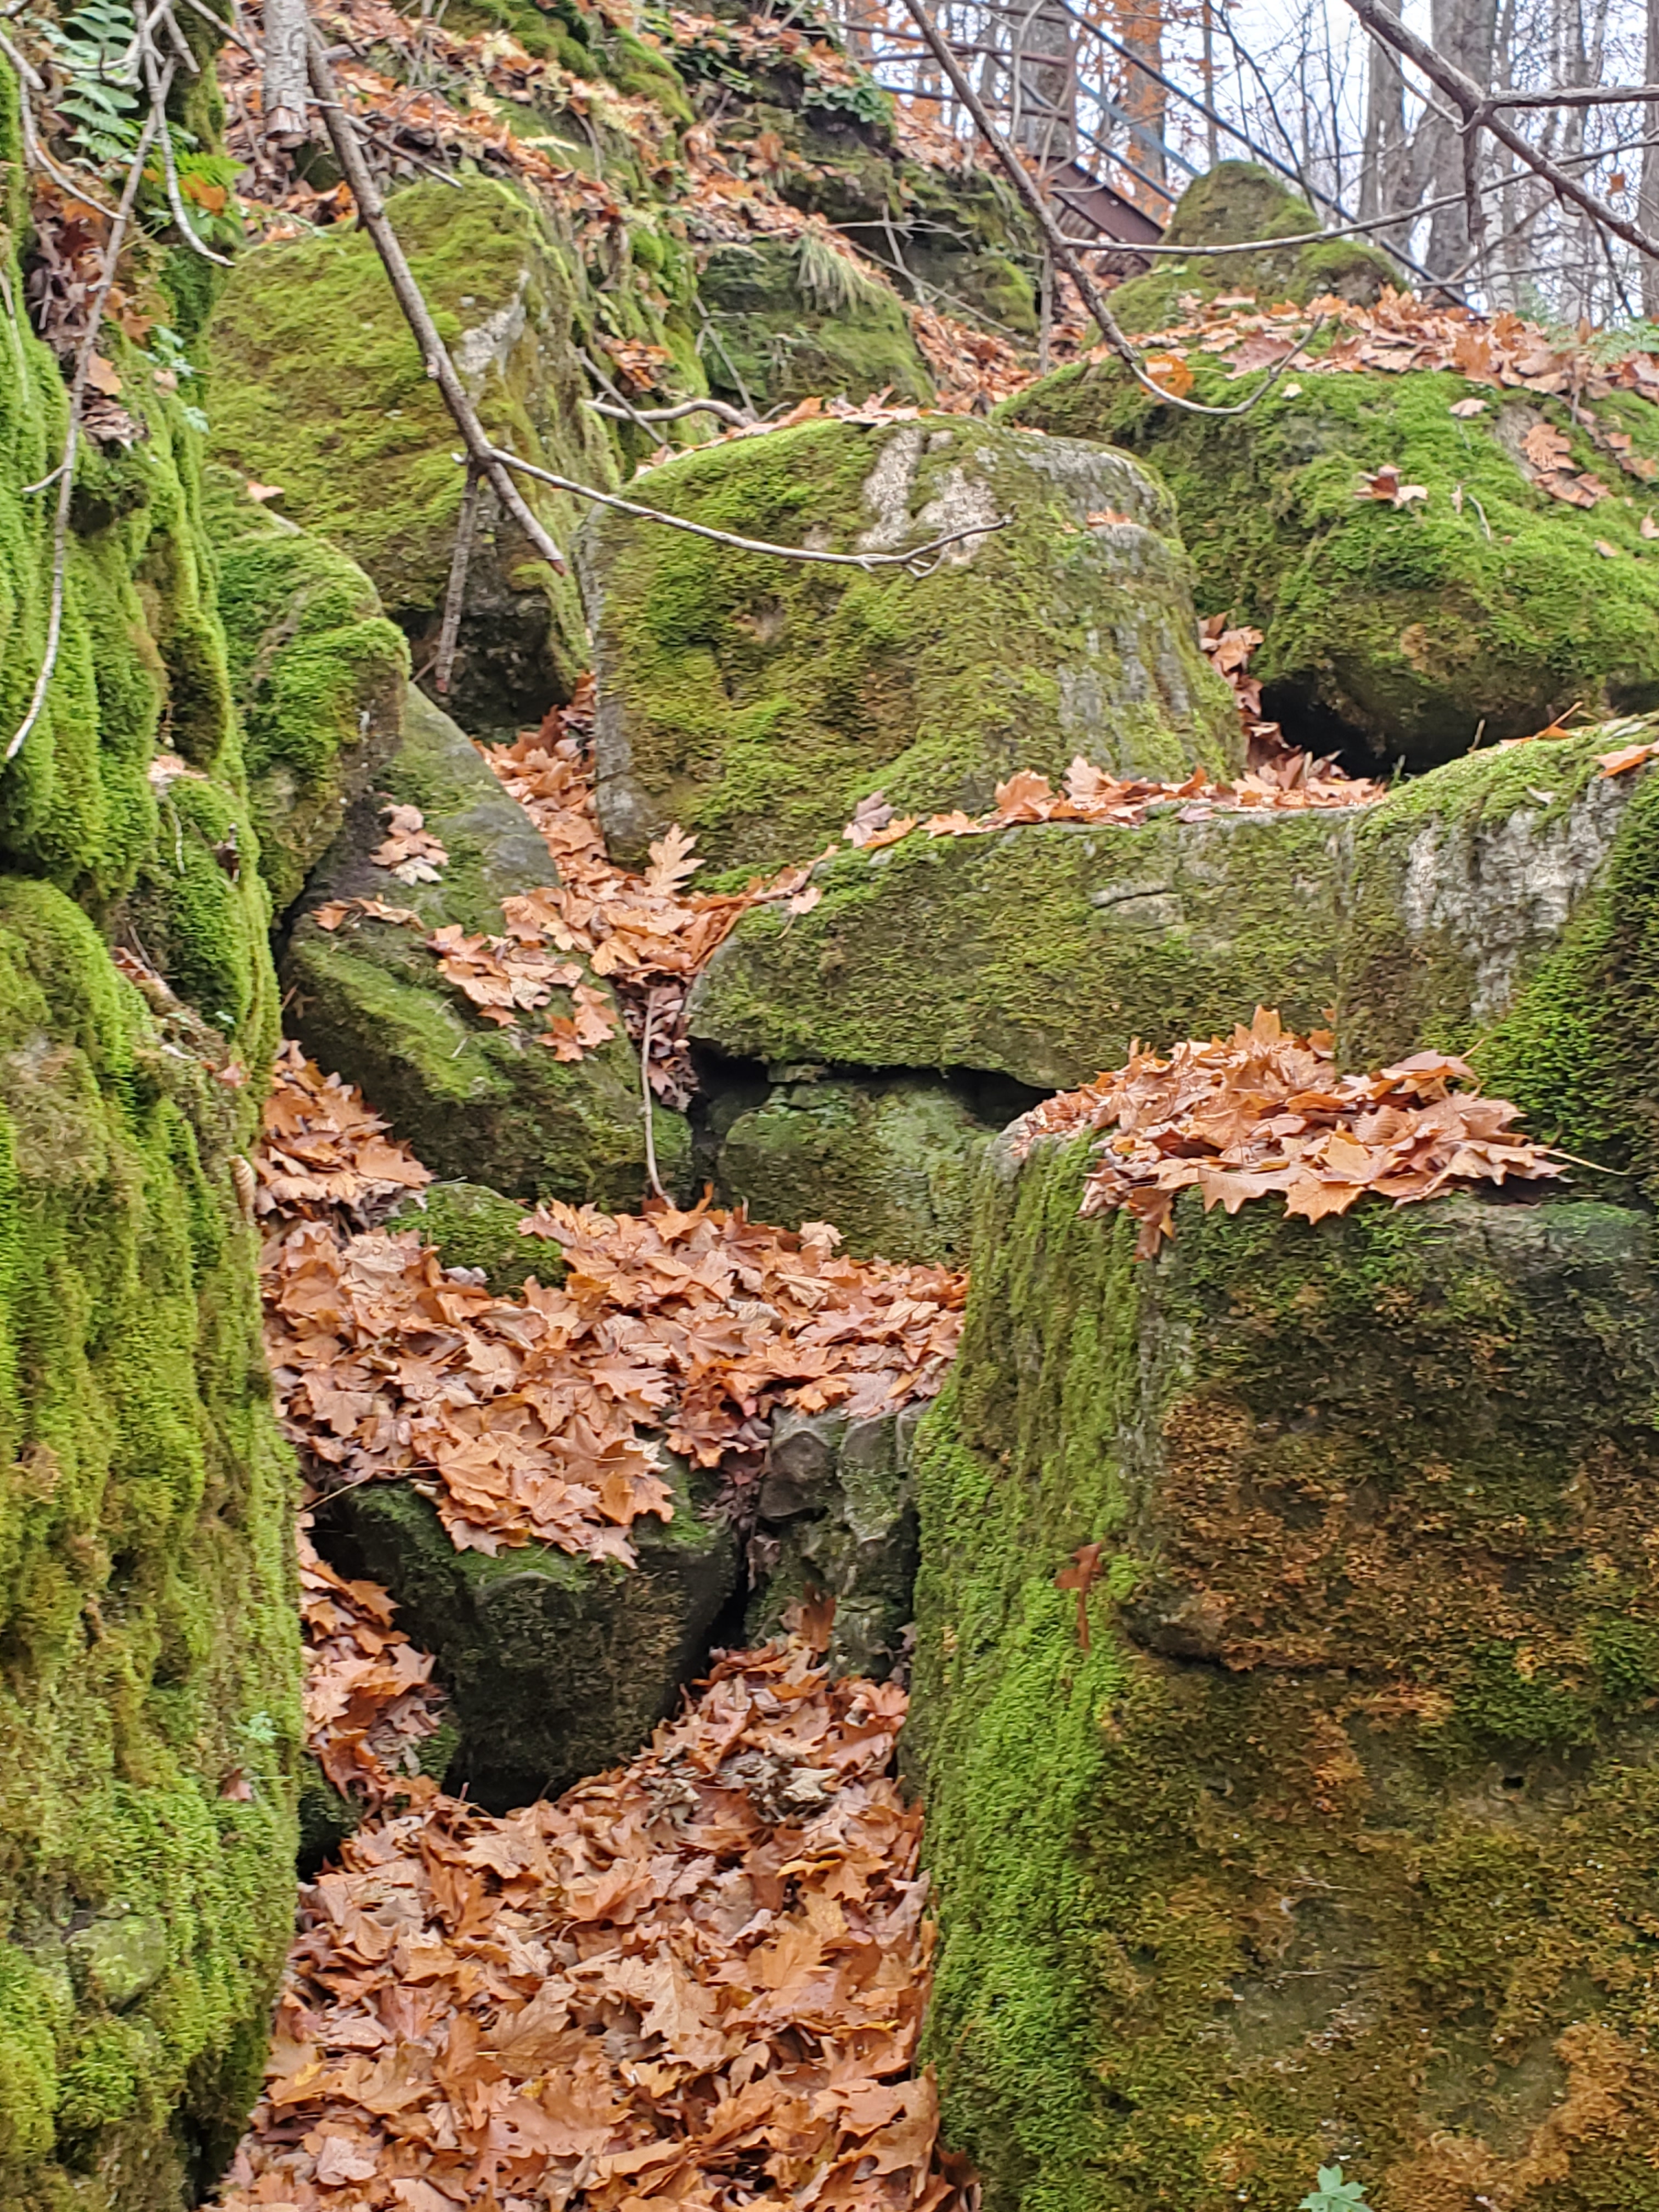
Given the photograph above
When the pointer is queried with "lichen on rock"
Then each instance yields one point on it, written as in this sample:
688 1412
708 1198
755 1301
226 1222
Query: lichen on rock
755 701
1286 1859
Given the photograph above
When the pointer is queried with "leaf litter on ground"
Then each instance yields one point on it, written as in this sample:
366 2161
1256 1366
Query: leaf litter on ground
1267 1111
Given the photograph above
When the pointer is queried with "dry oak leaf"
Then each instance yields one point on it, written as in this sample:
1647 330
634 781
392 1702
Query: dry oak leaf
1384 484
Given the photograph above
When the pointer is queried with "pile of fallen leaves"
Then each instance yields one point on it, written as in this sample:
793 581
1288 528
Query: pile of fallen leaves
696 1981
370 1699
544 1416
648 935
1264 1110
1090 794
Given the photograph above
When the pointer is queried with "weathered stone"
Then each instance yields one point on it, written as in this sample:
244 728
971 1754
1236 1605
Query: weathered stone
836 1517
1498 901
1328 1840
317 670
755 701
119 1955
1400 633
319 388
478 1103
891 1165
556 1667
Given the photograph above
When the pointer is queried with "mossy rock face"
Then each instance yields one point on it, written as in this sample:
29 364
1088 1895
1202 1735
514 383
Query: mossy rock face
793 317
890 1165
755 700
318 672
1040 952
477 1102
318 386
836 1518
556 1667
1497 901
149 1714
1482 611
1331 1840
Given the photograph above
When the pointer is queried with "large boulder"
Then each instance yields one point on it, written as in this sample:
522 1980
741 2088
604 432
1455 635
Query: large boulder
1498 902
478 1101
795 317
1316 1828
755 701
1486 606
554 1667
318 388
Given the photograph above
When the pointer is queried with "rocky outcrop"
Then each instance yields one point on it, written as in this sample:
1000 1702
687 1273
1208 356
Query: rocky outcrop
477 1100
755 701
149 1705
318 388
1313 1827
1486 607
1497 901
793 318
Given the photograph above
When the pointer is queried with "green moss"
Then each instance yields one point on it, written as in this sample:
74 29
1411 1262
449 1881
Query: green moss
1039 953
318 672
755 701
556 1666
473 1226
1488 605
1335 1784
318 386
891 1165
795 319
146 1600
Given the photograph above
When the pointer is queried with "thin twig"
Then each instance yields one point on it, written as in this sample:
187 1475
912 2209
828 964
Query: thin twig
645 1093
1297 238
199 8
866 561
734 416
34 152
455 596
371 212
630 412
169 167
1061 247
72 435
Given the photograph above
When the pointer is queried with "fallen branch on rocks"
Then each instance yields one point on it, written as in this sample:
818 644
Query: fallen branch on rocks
1267 1111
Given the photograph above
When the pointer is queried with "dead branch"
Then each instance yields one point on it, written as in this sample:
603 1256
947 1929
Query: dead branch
936 546
371 211
726 412
1479 110
286 74
1063 248
65 470
455 596
169 167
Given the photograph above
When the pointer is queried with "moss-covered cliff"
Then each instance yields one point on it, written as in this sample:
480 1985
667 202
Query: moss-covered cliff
149 1699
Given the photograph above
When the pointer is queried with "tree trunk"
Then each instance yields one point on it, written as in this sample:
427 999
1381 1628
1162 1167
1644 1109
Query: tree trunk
287 73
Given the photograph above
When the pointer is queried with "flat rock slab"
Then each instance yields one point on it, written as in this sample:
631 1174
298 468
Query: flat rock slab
755 700
1319 1825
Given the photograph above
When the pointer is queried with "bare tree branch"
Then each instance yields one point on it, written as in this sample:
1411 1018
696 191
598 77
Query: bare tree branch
287 75
725 413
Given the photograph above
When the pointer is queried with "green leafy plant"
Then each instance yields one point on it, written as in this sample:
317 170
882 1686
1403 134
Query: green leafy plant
1330 2193
96 48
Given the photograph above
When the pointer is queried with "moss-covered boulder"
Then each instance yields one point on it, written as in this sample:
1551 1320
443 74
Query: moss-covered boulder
755 700
836 1518
556 1667
317 672
1039 952
474 1227
1329 1838
317 387
795 317
1497 903
892 1164
1487 606
478 1101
